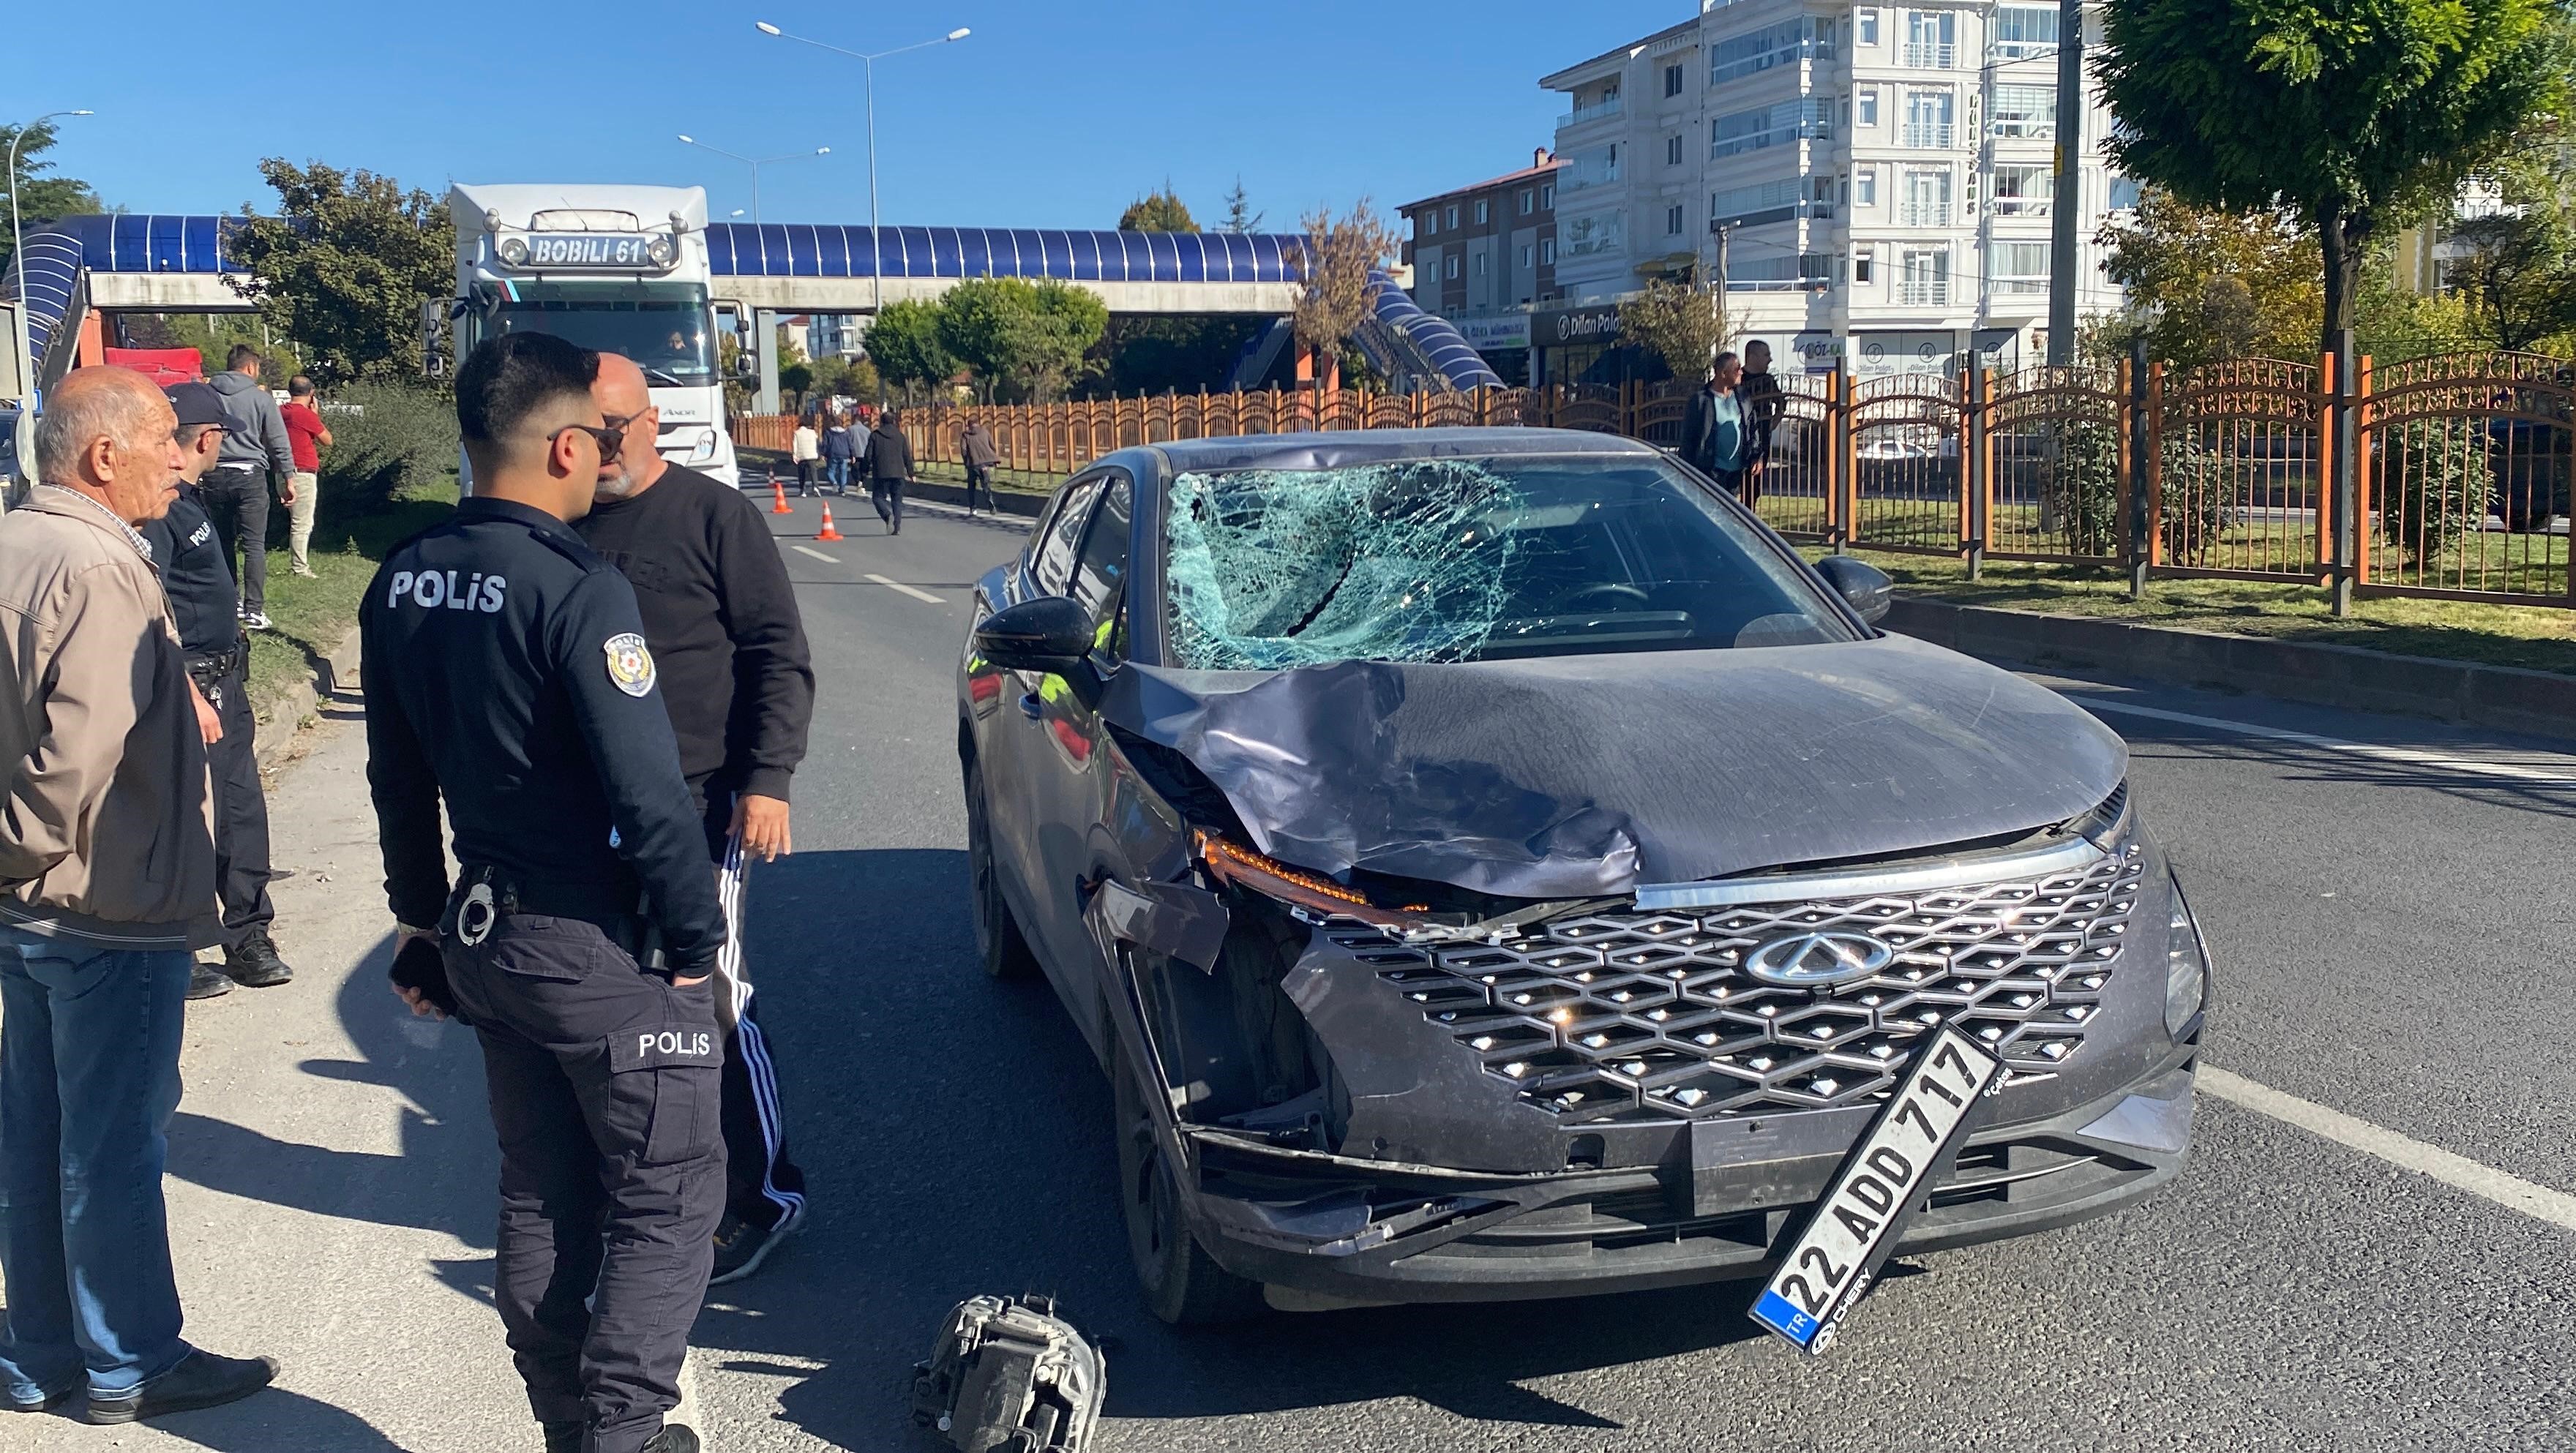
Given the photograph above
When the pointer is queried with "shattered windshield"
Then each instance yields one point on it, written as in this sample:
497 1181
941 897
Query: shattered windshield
1469 559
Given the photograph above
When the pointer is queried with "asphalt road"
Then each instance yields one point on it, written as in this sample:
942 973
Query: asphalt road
2393 937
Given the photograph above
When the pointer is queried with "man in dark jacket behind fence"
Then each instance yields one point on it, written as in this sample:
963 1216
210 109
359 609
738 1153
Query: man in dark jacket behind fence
889 470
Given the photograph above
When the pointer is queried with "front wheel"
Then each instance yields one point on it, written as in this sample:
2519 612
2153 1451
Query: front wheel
1003 949
1183 1285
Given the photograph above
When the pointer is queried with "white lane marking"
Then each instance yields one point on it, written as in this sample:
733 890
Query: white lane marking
817 554
908 590
2412 756
2511 1192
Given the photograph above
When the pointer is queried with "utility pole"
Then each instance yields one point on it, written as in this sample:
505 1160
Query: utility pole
2066 197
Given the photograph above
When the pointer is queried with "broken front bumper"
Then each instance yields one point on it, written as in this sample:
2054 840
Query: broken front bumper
1344 1228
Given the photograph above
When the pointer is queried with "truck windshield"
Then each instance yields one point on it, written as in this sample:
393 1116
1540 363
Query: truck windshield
665 332
1470 559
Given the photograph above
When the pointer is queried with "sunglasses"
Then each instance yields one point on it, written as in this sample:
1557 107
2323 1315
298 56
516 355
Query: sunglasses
610 441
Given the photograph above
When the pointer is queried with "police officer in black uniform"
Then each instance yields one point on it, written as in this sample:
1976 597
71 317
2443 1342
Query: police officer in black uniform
199 582
507 672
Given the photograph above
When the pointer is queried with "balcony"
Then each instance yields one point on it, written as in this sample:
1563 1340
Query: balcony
2021 206
1926 135
1931 55
1916 292
1605 107
2018 284
1590 174
1923 214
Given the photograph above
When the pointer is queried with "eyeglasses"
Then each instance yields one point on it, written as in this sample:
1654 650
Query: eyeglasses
623 422
610 441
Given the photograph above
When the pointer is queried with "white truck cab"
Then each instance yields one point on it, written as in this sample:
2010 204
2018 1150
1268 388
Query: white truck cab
617 268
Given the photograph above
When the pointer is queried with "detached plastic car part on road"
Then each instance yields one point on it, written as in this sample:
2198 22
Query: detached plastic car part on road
1490 864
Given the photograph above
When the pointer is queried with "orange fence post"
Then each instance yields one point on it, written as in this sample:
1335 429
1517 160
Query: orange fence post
2155 465
2361 475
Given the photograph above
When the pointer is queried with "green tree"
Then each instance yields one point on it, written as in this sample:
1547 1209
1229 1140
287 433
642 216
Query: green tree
2347 115
904 343
1681 324
1335 264
1152 355
1157 212
1024 341
2208 283
2517 267
345 267
1239 216
41 197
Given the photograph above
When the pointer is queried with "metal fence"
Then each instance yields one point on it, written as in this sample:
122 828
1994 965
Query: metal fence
2442 476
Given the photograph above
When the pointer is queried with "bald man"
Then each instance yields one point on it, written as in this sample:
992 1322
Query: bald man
721 619
107 886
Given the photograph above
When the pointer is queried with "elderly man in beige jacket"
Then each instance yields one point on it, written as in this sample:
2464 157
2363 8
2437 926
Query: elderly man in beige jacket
107 881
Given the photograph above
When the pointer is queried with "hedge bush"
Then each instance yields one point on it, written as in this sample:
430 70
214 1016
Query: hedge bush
392 437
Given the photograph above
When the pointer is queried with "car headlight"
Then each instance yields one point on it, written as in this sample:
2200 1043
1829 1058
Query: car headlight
514 250
2186 967
1236 865
661 250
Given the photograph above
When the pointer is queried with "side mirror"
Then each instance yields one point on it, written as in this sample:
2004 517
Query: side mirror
1050 634
1862 585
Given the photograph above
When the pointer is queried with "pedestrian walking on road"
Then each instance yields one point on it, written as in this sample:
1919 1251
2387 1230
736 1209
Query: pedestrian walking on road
203 608
720 618
802 449
1765 400
236 489
840 447
889 469
1717 426
515 684
306 436
981 454
107 882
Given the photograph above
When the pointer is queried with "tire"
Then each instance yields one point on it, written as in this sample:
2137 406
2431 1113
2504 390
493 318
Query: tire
1182 1284
999 943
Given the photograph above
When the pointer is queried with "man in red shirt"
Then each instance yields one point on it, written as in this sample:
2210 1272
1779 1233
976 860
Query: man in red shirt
305 438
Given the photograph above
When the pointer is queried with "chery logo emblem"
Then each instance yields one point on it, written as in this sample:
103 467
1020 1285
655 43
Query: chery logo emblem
1813 960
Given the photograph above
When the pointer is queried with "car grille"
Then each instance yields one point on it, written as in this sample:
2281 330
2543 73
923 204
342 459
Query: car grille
1649 1015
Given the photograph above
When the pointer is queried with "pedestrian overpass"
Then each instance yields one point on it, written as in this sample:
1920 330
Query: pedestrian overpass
76 272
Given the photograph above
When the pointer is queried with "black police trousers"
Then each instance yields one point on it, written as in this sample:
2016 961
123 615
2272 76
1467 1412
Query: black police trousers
237 500
241 812
605 1095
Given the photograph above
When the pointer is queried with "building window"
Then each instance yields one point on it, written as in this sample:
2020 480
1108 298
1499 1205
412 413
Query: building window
1480 264
2029 112
1772 201
1925 280
1673 149
1427 222
1865 187
1865 105
1449 266
1778 125
1926 199
1927 119
1865 27
1593 169
1672 80
2023 190
1773 45
1547 252
2017 267
1673 220
1547 197
1481 213
1931 39
1525 256
1529 200
1864 263
2124 194
2023 31
1452 219
1602 232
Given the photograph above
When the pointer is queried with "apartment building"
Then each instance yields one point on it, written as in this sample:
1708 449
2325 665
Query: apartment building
1883 175
1484 255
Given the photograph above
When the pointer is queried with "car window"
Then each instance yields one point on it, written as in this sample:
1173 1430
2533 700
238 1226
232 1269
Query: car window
1051 558
1463 559
1100 573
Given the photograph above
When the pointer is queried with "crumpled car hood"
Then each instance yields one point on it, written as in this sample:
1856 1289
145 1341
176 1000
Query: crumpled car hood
1590 775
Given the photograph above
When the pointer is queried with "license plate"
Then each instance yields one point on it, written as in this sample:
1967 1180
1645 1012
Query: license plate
1880 1186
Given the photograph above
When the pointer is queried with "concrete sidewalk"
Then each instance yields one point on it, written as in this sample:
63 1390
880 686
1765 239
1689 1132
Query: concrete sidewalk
331 1177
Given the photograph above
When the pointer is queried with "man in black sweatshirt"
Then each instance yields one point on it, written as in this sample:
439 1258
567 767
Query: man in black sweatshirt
720 619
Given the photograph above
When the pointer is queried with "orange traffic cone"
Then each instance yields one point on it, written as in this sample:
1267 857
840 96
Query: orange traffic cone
827 532
778 504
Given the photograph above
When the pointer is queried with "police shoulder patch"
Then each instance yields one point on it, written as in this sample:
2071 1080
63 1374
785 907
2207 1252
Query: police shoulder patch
630 664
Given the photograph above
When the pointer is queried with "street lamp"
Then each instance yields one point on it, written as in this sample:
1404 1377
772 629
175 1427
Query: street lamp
756 163
18 256
869 60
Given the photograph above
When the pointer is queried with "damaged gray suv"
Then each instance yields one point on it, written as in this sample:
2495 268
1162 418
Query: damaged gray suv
1490 864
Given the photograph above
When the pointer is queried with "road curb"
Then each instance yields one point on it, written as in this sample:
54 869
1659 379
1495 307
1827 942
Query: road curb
2505 698
337 669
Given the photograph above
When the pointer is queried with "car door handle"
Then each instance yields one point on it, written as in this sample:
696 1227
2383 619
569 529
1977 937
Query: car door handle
1030 706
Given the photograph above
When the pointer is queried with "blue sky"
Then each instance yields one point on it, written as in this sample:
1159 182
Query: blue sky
1049 115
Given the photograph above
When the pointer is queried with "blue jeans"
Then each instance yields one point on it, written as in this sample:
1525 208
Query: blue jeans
838 472
89 1077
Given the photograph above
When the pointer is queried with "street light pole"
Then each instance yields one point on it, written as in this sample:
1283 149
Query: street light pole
18 259
755 163
868 63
